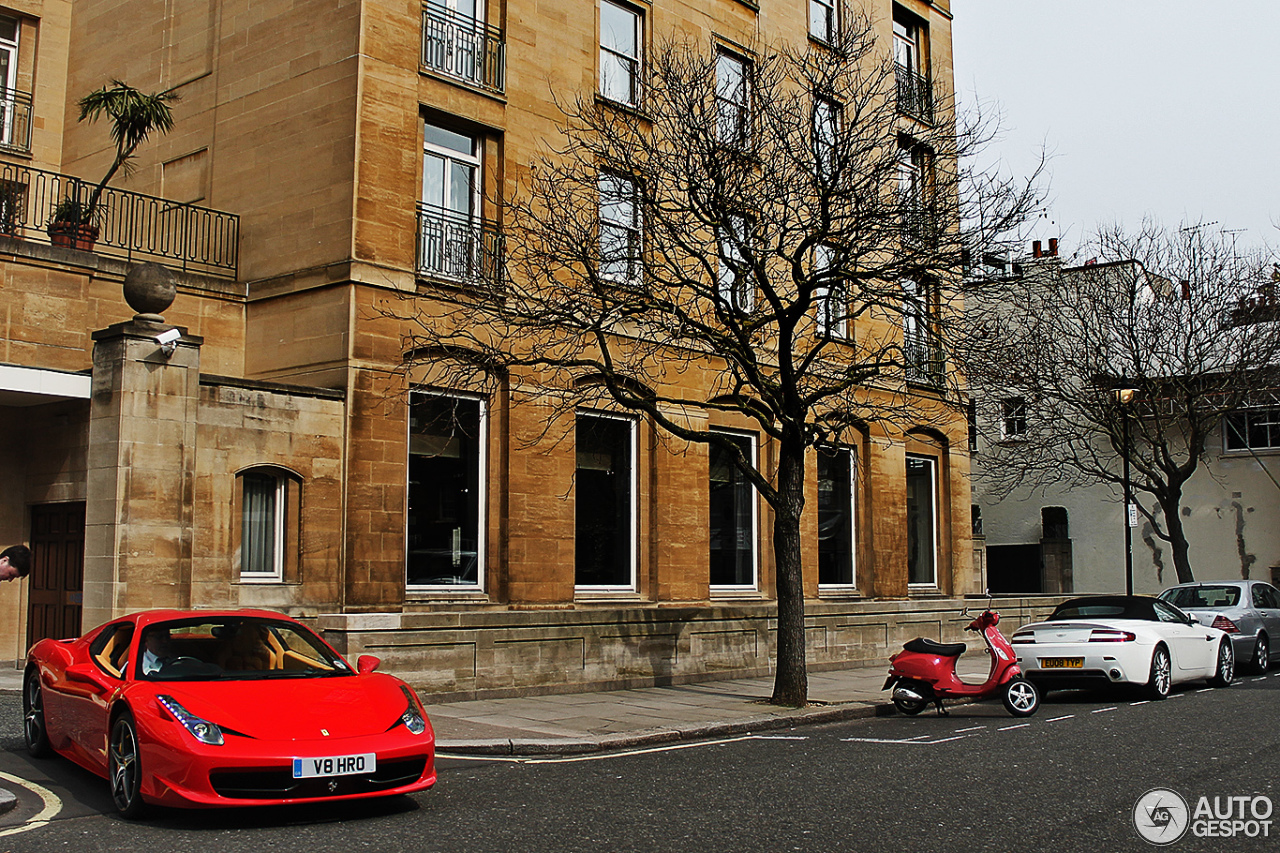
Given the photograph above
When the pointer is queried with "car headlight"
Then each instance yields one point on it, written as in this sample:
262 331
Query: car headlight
202 730
412 717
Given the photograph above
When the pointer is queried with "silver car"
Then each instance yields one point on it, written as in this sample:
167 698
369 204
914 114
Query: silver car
1247 610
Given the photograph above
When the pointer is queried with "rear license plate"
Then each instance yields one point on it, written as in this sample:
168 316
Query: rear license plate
1061 663
334 765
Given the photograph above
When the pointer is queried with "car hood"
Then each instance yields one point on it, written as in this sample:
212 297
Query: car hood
294 708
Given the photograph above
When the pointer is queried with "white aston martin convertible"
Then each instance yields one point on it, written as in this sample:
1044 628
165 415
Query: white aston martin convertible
1122 639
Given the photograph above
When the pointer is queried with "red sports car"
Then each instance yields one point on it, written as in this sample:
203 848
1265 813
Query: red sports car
235 708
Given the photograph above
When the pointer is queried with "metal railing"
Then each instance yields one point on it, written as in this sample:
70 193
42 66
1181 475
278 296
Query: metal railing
15 120
923 361
128 224
915 94
919 222
463 47
457 247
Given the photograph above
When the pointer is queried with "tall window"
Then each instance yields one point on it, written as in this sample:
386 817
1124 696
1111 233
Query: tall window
829 295
735 285
906 41
451 242
915 94
922 521
269 517
8 75
826 128
604 492
445 506
620 39
823 22
836 476
620 243
453 38
1253 429
733 100
733 516
1013 417
921 355
914 175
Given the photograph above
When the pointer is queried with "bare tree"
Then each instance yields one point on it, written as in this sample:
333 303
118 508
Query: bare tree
1139 354
754 234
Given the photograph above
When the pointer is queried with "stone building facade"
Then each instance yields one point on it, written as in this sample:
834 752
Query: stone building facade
274 456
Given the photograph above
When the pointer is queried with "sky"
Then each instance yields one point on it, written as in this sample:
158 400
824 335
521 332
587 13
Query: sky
1163 109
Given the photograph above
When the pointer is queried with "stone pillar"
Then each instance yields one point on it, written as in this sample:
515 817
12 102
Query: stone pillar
142 451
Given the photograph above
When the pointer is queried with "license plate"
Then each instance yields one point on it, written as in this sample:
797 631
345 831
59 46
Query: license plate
1061 663
334 765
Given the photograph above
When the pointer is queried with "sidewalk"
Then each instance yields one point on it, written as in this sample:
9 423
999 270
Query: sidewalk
589 722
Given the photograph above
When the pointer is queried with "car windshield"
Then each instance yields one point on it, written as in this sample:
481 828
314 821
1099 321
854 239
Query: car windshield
1202 596
1105 608
236 648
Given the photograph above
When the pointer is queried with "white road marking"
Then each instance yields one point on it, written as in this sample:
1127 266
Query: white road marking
52 805
1143 702
1056 719
1010 728
1262 678
1205 690
971 729
912 742
1101 710
573 759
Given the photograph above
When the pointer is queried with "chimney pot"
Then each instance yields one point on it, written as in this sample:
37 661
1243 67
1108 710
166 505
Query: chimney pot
1035 249
1053 247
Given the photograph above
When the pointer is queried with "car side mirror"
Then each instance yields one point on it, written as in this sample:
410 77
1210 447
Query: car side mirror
367 664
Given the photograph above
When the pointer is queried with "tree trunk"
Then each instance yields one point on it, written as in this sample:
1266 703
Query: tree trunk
1177 538
791 680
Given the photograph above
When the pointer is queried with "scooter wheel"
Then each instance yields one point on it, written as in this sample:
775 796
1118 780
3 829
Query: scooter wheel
909 707
1020 698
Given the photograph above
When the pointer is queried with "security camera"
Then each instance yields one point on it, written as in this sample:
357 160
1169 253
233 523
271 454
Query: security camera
168 340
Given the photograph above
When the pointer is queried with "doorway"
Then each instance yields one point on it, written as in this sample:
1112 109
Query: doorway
57 571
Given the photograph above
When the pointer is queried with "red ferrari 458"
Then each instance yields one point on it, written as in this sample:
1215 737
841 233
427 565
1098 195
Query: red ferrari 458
236 708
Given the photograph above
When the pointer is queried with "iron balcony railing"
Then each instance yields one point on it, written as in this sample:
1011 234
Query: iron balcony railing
15 121
915 94
457 247
126 224
919 222
923 361
462 47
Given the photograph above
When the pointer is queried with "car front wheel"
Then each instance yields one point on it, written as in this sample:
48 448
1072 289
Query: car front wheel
1161 679
1226 670
125 772
33 716
1261 654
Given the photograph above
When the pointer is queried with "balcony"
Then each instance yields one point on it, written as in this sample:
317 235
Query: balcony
458 248
463 48
15 121
129 225
922 361
915 94
919 222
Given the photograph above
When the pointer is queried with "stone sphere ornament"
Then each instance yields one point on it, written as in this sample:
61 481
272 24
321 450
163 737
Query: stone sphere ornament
150 289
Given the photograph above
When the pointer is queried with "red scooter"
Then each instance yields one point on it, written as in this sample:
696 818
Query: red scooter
925 671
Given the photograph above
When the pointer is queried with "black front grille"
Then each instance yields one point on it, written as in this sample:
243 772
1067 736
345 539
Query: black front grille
278 783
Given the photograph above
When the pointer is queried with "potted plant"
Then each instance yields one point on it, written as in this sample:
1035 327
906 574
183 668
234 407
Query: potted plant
133 115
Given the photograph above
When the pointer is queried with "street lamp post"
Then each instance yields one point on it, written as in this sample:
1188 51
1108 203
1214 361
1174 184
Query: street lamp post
1123 397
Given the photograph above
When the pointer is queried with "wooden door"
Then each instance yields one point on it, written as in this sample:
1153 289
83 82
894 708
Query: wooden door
57 571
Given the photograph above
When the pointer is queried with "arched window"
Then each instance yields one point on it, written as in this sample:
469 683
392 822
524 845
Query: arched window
269 499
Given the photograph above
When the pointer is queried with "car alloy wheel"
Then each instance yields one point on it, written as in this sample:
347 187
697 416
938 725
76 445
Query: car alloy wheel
1261 654
1226 670
1021 698
33 717
124 770
1161 674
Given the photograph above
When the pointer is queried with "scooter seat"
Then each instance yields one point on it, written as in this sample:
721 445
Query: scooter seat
933 647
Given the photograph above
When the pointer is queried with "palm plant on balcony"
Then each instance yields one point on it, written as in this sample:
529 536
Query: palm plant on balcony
134 115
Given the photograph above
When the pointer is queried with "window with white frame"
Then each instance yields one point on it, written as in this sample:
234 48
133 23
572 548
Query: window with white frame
453 38
445 496
620 236
829 294
733 514
1013 417
733 99
1252 429
451 243
604 502
823 20
734 284
922 356
9 29
922 521
265 516
906 41
621 32
826 129
837 474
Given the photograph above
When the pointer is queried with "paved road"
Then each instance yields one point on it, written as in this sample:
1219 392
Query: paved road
1065 780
